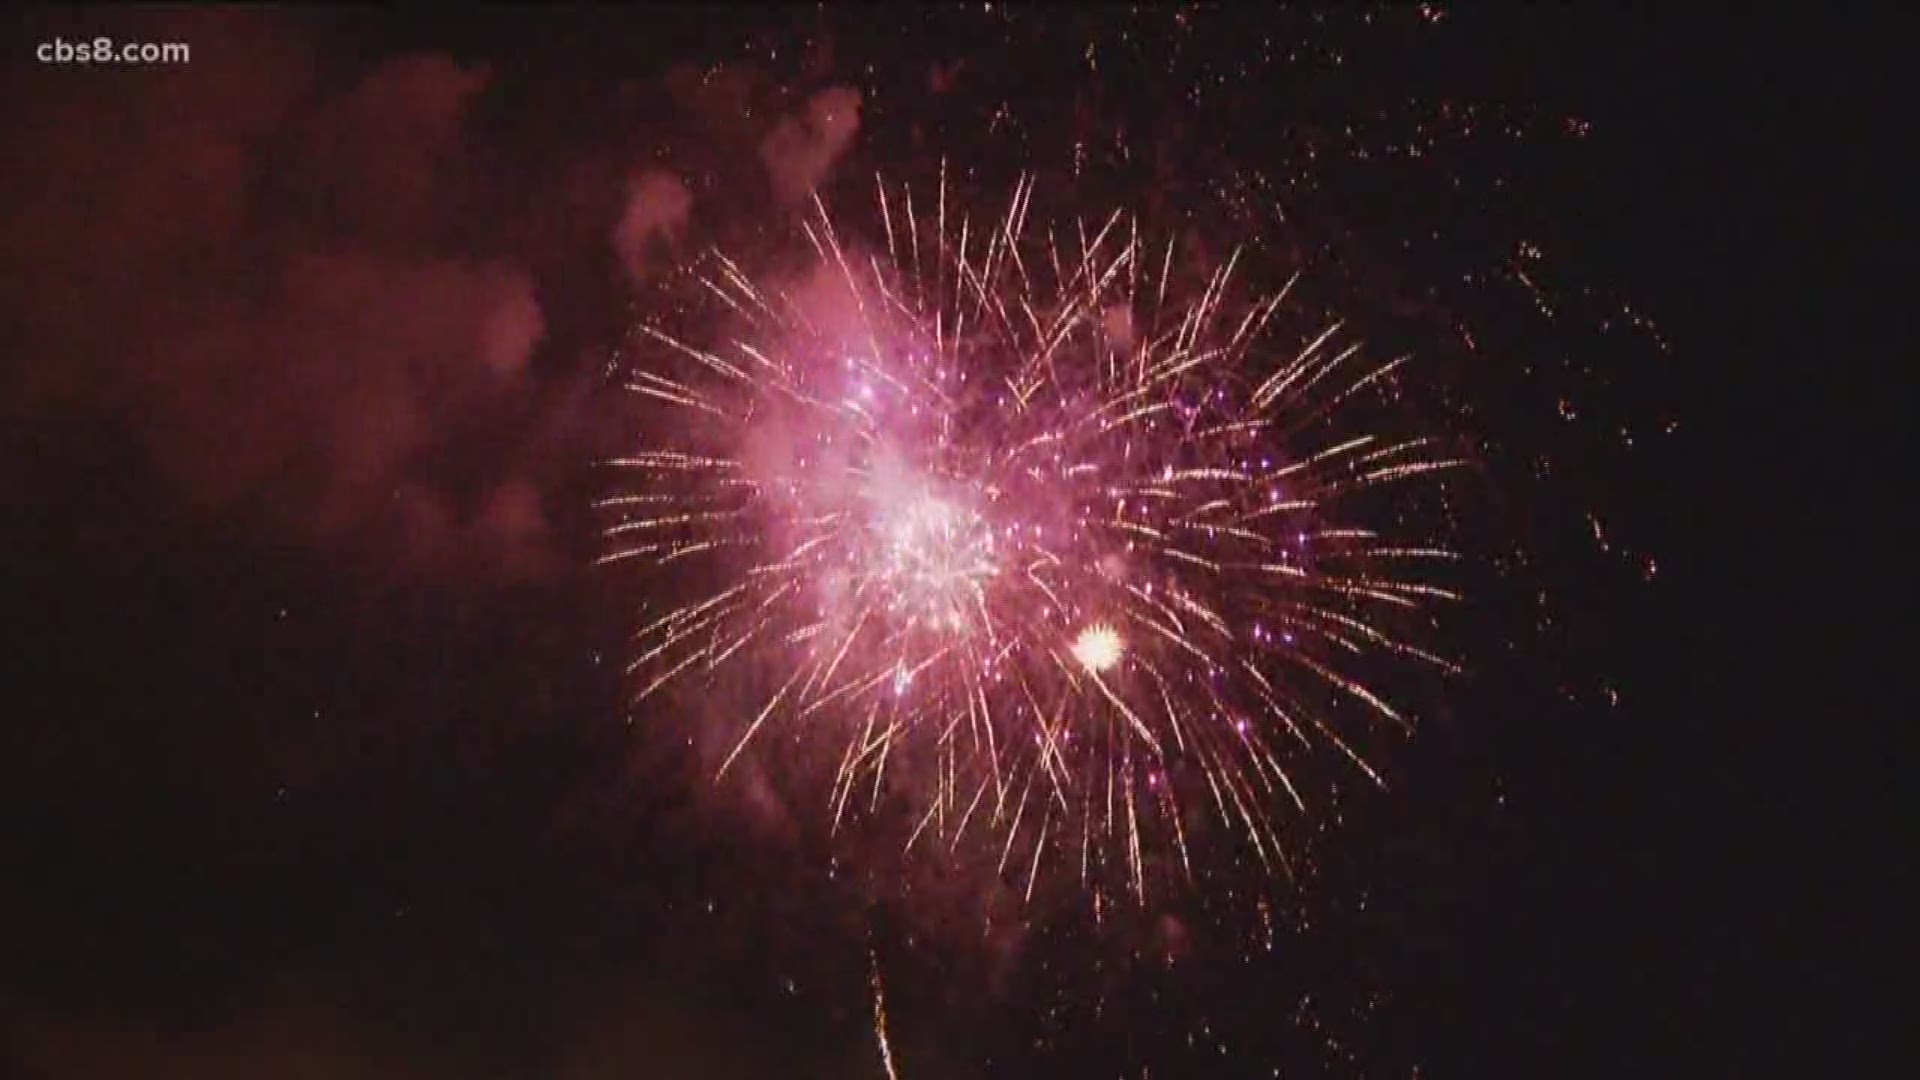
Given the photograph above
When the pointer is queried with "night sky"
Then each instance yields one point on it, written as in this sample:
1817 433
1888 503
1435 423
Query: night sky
319 759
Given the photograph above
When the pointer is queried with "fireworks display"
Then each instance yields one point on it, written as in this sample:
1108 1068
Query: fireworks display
1062 546
921 541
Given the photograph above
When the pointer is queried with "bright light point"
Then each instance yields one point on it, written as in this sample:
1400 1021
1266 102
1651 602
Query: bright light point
1098 647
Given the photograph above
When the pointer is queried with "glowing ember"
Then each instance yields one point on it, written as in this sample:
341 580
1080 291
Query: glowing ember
1098 648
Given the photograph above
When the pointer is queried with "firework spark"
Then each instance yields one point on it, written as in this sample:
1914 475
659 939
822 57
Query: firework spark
1098 648
1058 547
880 1039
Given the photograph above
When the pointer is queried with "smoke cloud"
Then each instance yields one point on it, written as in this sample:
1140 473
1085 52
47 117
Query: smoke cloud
801 149
250 276
657 207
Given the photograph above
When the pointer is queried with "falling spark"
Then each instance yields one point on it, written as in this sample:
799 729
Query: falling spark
933 497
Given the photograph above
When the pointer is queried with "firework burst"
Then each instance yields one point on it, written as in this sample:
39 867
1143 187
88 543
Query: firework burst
1065 555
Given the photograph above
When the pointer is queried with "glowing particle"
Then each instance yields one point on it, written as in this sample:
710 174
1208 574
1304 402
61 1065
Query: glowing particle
1098 647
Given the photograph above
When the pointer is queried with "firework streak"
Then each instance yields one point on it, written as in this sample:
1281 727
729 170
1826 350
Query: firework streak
1065 556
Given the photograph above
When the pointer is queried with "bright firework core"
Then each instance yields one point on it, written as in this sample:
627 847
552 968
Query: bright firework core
1098 648
934 556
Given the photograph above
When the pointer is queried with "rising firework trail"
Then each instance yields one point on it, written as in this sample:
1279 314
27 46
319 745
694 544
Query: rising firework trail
1060 546
880 1039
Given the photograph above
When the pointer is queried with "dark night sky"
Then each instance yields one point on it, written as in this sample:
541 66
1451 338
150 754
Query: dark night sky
317 765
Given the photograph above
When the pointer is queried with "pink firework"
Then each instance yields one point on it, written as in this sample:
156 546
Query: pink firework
1066 556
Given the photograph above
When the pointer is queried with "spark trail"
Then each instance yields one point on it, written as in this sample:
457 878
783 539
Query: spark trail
1047 538
880 1039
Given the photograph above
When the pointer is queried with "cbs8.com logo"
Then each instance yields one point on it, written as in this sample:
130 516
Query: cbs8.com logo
104 50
